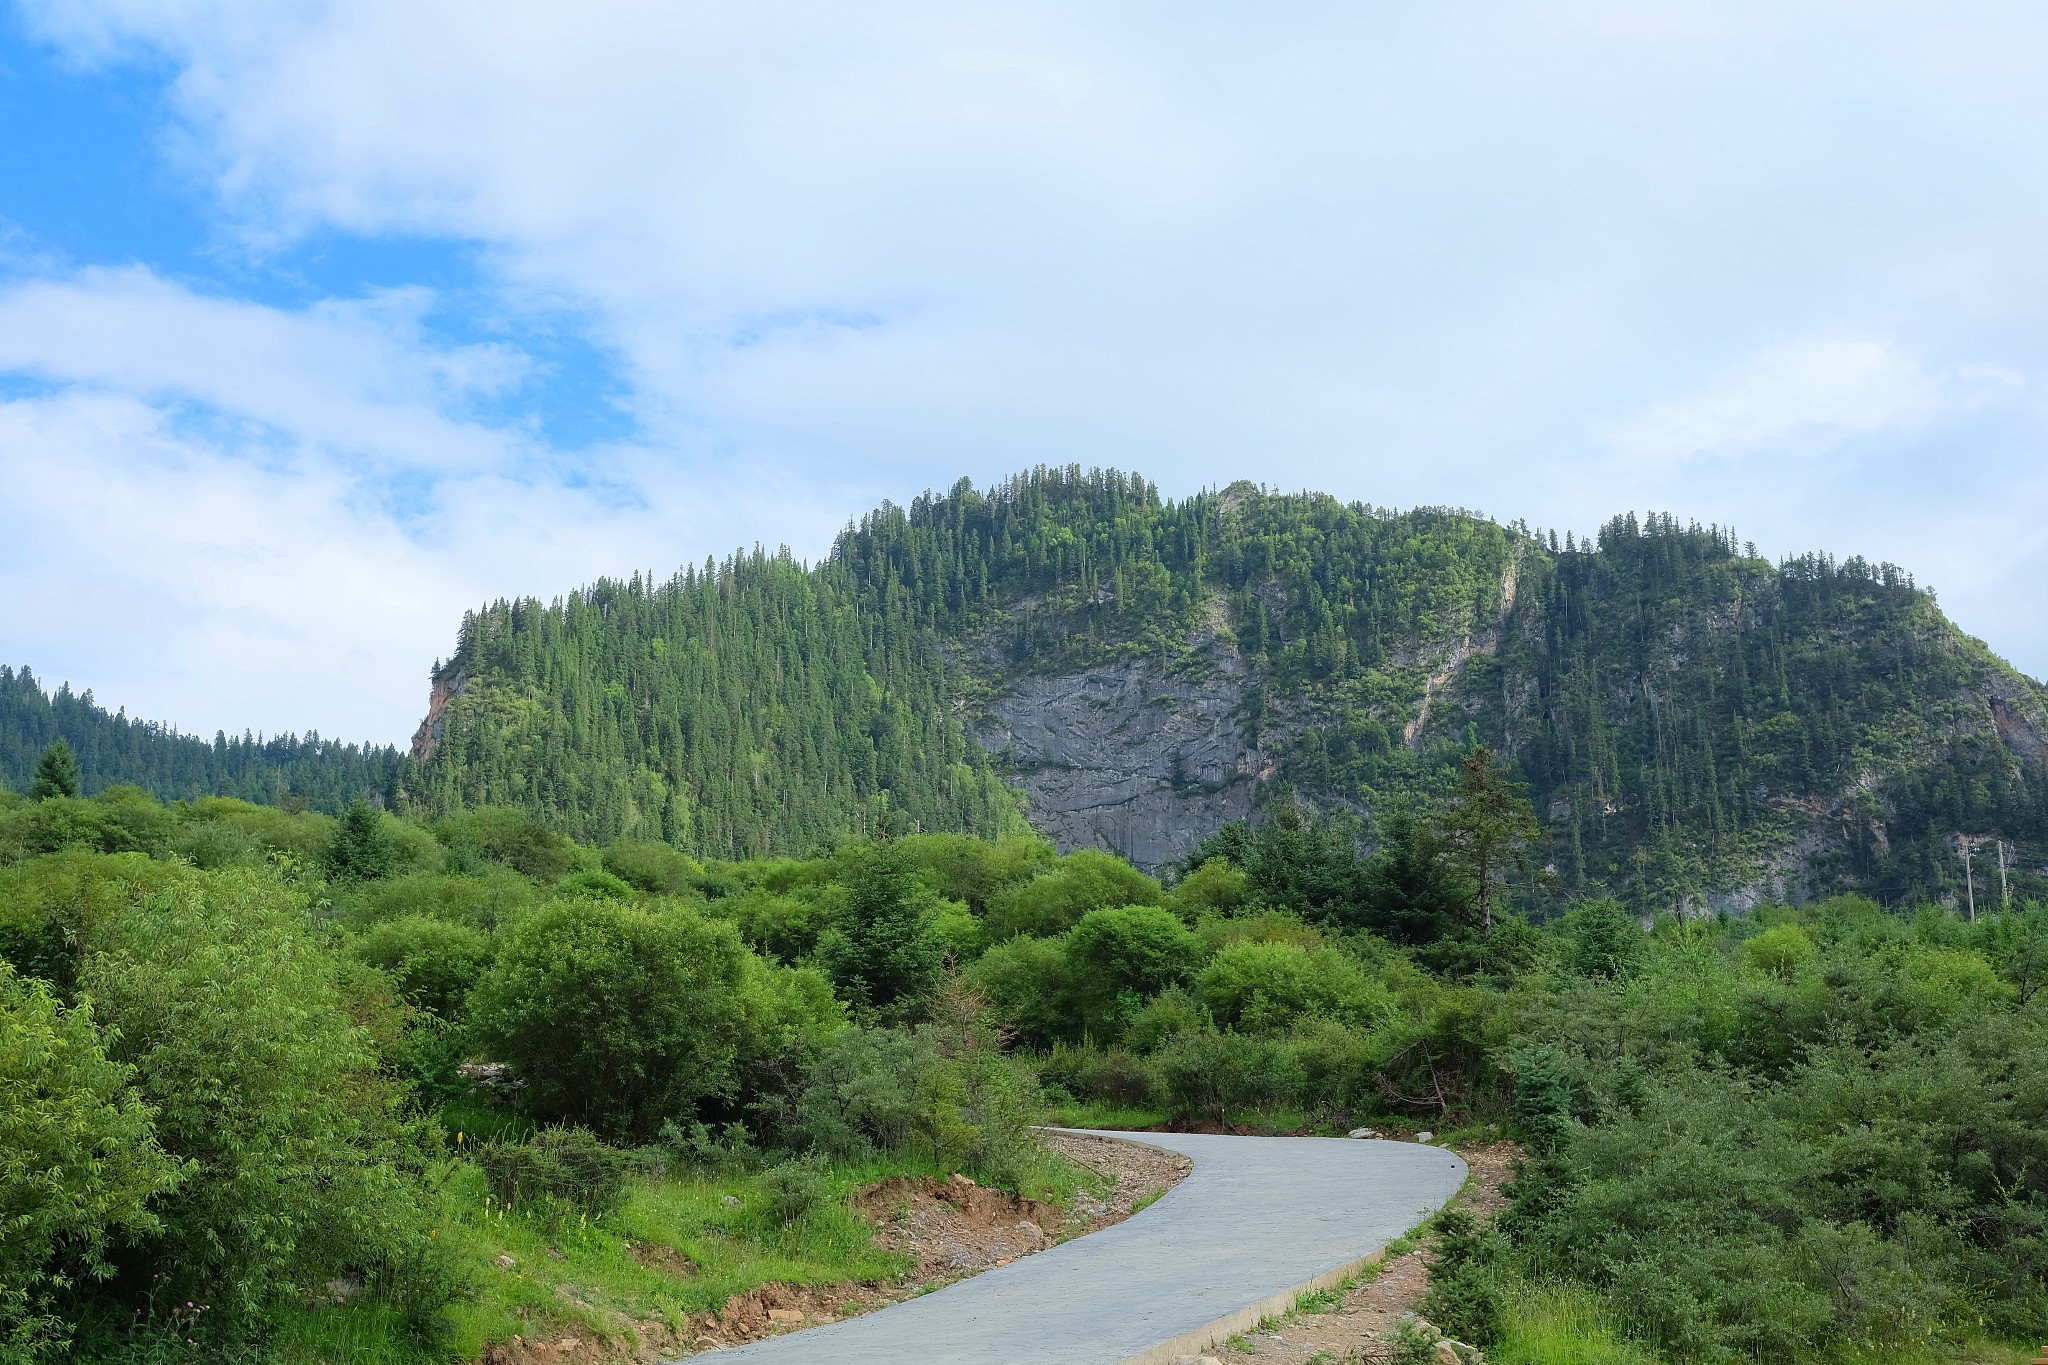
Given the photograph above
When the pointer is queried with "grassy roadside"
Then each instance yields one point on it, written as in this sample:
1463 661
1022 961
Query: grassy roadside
680 1246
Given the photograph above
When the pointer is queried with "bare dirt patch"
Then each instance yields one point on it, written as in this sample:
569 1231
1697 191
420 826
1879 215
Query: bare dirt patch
1361 1327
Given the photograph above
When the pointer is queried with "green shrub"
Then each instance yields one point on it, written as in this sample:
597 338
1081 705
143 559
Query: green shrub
1172 1011
557 1169
1467 1281
1209 1075
595 884
79 1160
1272 986
883 951
1118 956
1054 901
1025 980
615 1017
362 850
514 838
300 1167
857 1094
796 1190
432 963
652 867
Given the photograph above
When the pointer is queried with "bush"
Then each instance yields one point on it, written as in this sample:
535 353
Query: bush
1272 986
858 1094
883 951
558 1168
1172 1011
432 963
361 851
796 1190
1209 1074
300 1167
615 1017
1025 980
654 868
1054 901
513 838
1113 1076
79 1160
1116 957
1467 1295
595 884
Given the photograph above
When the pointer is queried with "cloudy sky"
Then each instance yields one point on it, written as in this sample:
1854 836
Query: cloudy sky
321 322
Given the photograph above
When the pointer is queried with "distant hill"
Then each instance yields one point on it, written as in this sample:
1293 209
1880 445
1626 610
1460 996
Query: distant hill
1695 724
113 749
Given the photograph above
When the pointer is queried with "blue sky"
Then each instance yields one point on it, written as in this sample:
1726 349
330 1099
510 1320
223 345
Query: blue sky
320 322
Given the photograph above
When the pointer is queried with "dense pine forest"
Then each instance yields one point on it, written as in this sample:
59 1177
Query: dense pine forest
1696 725
113 750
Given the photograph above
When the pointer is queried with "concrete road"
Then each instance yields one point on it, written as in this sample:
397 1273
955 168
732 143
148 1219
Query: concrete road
1257 1217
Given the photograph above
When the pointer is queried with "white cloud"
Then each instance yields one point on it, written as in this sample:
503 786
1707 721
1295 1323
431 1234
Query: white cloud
1407 255
1807 398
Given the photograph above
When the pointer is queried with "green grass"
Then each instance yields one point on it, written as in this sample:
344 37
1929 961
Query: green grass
581 1276
1147 1200
1563 1325
1094 1114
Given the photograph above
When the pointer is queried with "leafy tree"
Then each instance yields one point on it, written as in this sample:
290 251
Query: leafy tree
883 950
1488 827
219 997
1274 986
1055 900
56 773
1118 956
616 1018
361 851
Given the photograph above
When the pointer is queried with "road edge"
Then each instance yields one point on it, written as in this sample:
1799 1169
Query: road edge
1198 1340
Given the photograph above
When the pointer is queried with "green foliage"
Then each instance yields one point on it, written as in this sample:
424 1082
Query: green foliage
214 991
1265 987
1467 1280
56 773
79 1161
1055 900
432 963
1025 980
883 950
1603 938
1211 1075
652 867
615 1017
1118 957
513 838
796 1190
361 851
110 750
569 1168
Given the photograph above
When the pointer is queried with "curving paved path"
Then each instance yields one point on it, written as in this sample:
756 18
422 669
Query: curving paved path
1258 1217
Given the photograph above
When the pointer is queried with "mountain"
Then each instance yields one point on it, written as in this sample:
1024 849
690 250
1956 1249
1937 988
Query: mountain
112 749
1695 724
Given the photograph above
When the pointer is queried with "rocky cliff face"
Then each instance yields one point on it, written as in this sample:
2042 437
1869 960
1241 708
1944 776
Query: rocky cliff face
1131 757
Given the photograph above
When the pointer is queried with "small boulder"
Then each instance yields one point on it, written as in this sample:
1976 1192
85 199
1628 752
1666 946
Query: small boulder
1364 1132
785 1317
1424 1136
506 1262
730 1201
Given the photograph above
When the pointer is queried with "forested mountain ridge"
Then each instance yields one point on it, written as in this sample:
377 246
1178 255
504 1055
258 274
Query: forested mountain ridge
112 749
1693 722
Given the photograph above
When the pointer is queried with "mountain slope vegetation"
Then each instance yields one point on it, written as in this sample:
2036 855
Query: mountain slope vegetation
113 750
1695 724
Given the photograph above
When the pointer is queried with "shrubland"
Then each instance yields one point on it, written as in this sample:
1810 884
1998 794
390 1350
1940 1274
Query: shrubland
353 1087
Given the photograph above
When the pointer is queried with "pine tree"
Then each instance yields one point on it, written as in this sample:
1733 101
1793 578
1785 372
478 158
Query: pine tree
361 851
56 772
1489 826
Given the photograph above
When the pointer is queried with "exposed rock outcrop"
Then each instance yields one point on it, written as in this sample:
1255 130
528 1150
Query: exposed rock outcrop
1131 757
